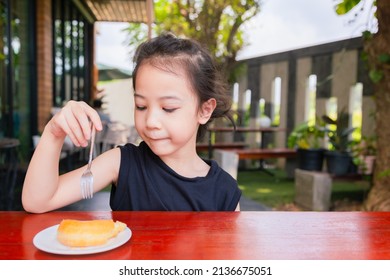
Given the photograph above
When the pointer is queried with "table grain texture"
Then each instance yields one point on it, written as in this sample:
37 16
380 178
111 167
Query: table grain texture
270 235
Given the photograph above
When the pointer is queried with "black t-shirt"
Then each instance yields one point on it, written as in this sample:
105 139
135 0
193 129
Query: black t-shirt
146 183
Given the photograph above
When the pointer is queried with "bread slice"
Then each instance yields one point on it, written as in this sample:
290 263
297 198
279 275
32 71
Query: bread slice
76 233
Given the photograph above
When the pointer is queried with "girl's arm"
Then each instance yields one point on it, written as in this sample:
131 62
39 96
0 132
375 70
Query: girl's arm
44 189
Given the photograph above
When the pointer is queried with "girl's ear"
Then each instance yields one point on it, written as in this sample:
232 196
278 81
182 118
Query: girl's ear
206 110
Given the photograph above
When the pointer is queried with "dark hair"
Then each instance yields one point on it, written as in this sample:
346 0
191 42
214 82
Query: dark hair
97 103
167 51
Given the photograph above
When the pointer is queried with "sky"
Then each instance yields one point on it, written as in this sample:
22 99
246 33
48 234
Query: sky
281 25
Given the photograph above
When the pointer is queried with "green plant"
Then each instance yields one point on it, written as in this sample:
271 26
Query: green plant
338 131
361 149
306 136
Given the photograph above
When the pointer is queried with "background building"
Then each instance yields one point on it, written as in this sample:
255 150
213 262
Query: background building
296 86
47 57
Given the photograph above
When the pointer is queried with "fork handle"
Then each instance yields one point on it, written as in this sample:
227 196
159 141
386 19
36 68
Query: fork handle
92 145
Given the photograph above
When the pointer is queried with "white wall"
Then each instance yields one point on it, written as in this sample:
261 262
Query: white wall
119 101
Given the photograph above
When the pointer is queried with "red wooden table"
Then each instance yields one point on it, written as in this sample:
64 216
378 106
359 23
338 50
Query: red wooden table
216 235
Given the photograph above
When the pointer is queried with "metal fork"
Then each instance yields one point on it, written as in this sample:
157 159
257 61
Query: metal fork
86 182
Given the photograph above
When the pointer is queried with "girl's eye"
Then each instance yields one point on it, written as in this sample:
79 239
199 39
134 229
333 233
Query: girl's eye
169 110
140 108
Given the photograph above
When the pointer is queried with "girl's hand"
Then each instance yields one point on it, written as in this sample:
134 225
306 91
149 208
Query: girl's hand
74 120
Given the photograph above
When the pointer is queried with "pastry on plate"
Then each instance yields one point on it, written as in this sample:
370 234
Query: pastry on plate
77 233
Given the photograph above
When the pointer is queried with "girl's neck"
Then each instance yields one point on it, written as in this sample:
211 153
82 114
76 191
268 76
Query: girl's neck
189 167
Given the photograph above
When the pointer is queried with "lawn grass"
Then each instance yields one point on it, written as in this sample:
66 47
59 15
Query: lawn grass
279 190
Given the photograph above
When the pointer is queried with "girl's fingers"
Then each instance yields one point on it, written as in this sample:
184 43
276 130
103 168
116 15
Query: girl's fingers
75 120
73 136
79 122
92 116
74 128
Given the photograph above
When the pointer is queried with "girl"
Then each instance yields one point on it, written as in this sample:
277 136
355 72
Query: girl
177 92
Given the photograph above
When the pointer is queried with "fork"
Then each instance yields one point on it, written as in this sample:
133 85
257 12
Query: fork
86 182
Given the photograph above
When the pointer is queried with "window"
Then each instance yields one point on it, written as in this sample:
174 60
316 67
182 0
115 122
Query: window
331 108
276 100
310 99
71 54
235 96
355 107
247 105
261 107
16 46
331 111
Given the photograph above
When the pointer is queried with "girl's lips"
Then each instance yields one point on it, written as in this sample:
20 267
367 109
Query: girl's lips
157 139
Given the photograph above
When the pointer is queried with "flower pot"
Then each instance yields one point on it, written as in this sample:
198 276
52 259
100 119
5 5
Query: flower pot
338 163
310 159
368 165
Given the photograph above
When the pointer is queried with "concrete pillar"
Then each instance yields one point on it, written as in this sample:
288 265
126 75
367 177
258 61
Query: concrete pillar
313 190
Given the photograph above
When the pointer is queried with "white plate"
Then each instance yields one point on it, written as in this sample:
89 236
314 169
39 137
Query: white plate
46 240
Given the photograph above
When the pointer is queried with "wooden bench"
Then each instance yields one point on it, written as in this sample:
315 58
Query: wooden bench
205 147
228 159
265 153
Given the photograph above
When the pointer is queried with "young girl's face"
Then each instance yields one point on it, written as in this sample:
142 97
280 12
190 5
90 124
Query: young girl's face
167 113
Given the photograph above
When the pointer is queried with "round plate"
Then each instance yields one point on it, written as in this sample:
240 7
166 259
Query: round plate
46 240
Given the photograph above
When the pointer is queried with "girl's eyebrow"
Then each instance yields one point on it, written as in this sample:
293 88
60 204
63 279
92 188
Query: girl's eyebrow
138 95
167 97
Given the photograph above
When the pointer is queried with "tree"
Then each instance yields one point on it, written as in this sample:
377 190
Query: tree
215 24
377 48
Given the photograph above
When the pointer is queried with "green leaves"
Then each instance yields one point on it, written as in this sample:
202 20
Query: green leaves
367 35
216 24
384 174
306 136
384 58
345 6
375 75
338 131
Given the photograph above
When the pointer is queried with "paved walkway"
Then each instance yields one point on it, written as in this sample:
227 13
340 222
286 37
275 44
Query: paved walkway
247 204
100 202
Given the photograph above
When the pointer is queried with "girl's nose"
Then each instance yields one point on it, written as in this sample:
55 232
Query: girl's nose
153 119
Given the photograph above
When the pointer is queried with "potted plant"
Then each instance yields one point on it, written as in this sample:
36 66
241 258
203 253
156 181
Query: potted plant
363 154
308 140
338 158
